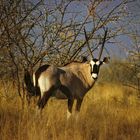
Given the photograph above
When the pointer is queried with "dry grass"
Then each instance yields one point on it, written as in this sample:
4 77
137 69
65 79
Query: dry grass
109 112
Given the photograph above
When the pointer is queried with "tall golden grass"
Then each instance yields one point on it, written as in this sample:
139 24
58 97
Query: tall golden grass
109 112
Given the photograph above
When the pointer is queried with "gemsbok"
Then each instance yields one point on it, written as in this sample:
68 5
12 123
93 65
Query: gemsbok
69 82
72 81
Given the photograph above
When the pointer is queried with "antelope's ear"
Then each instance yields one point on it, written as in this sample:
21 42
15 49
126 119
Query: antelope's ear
106 60
84 59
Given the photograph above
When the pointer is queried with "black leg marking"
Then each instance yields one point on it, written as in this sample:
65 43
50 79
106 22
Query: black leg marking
67 92
78 104
70 104
42 101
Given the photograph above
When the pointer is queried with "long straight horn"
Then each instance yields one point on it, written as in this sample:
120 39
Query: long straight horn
102 47
87 39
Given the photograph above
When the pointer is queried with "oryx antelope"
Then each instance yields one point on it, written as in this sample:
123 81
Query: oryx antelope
71 81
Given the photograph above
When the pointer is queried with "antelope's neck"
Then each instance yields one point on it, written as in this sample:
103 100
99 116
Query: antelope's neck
85 70
82 70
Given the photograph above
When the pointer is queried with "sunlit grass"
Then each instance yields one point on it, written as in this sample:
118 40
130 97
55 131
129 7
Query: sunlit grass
109 112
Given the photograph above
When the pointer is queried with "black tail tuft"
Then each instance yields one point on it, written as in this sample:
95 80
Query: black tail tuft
29 84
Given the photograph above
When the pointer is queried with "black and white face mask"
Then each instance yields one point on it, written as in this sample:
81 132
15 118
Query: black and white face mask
95 67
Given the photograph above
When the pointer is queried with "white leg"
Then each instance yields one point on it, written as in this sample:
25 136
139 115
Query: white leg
38 112
68 114
76 115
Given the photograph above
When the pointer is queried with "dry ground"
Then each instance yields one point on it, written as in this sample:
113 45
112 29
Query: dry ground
109 112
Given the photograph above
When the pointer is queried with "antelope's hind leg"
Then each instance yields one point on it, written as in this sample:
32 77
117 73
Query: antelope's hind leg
44 99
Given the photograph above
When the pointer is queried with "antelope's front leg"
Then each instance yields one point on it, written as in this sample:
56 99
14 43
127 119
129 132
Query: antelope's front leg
70 105
78 107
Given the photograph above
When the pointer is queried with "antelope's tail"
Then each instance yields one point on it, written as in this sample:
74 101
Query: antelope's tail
29 83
